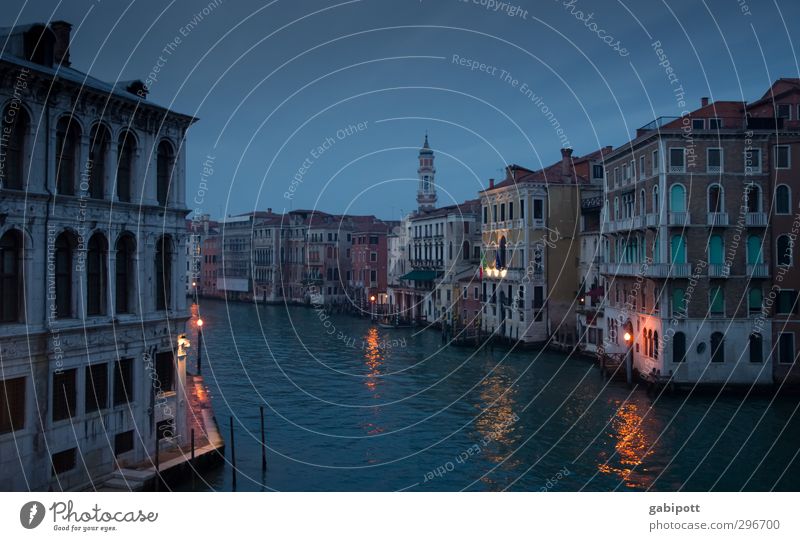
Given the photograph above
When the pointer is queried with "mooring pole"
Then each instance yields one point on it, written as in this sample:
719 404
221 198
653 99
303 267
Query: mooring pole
629 367
263 443
233 454
158 474
192 463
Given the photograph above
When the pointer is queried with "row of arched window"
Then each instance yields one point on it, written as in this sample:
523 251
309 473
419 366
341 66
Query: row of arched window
755 347
633 250
68 263
69 180
715 200
650 339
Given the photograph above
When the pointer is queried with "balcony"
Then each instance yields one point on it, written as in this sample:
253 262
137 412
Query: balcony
665 270
680 219
717 219
621 269
719 271
760 270
651 220
625 224
755 219
638 222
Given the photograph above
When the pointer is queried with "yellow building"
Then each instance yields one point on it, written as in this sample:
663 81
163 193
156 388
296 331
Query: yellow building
530 228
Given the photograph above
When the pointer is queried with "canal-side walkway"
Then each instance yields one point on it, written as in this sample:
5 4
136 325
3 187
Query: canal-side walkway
176 465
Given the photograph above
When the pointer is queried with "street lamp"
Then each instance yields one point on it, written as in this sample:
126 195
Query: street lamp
372 300
628 337
199 345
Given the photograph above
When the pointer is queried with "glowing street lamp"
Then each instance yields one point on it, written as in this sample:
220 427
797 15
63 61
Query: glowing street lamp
199 345
627 337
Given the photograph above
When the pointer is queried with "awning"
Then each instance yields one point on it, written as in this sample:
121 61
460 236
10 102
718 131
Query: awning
421 276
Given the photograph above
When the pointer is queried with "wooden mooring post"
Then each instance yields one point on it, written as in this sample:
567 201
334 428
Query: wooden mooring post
233 454
192 464
263 443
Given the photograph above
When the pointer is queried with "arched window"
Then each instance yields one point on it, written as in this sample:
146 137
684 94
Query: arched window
63 275
785 248
677 198
164 168
656 249
96 273
15 128
655 345
678 347
126 150
656 202
67 140
716 198
616 208
502 252
642 203
11 277
678 302
753 198
98 150
754 299
754 254
163 267
783 198
678 249
756 348
716 250
716 300
717 347
125 282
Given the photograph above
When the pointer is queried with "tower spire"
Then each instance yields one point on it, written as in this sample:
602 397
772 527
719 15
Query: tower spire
426 191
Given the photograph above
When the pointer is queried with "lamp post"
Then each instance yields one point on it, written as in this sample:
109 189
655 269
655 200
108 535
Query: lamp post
628 337
372 300
199 345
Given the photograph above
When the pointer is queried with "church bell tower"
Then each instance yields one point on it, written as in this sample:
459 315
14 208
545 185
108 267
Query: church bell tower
426 192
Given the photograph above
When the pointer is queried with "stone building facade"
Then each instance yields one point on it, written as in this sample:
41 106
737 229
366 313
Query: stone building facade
92 235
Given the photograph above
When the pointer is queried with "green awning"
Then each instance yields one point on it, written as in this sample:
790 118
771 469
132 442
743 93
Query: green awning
421 276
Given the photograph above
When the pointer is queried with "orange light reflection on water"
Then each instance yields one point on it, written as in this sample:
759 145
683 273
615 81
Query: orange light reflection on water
633 445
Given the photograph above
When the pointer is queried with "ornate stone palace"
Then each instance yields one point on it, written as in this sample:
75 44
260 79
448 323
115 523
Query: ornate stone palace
92 228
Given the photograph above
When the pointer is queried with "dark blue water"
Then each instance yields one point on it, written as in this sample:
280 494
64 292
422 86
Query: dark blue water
350 406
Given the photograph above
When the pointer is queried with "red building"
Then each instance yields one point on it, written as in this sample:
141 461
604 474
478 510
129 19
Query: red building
211 258
369 263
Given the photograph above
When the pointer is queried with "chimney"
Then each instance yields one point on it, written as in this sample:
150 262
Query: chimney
703 102
269 210
491 183
566 162
61 30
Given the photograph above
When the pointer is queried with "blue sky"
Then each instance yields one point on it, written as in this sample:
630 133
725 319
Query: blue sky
273 81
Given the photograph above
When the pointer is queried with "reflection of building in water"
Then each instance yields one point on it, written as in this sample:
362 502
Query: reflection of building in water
632 446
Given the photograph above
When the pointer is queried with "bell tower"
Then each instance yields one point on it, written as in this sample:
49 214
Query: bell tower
426 192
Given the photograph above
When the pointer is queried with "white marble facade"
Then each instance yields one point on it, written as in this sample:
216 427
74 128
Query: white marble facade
81 366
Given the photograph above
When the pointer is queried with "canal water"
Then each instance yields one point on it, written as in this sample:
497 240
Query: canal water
351 406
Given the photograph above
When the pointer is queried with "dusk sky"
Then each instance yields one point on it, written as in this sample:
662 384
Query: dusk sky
272 81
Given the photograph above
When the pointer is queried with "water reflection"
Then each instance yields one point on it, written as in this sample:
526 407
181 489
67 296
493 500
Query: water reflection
632 444
374 359
496 424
